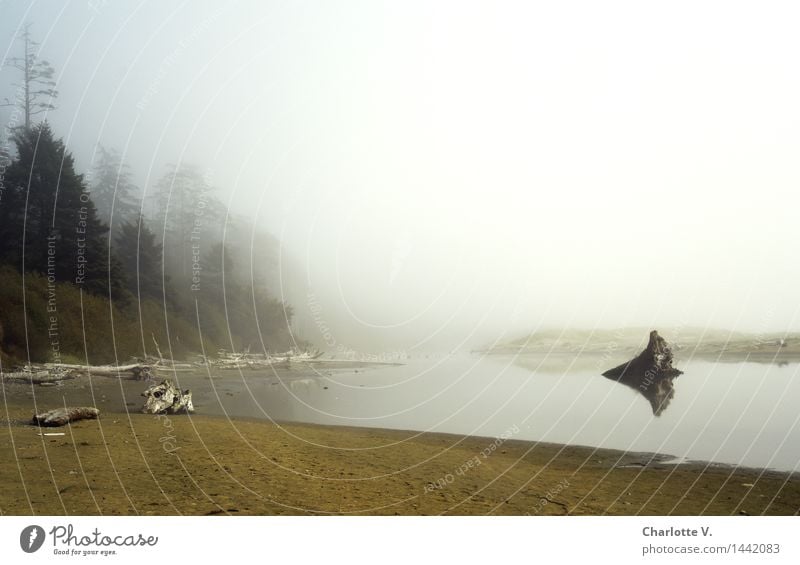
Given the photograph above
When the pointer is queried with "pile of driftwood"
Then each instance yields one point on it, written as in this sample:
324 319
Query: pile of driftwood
163 398
246 360
53 373
49 374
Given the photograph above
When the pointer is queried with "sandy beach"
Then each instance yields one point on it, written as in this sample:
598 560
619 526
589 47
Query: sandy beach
134 464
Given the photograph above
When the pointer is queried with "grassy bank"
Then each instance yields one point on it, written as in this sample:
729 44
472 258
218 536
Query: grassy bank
59 323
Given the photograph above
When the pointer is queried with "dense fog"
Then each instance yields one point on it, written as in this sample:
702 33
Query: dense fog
439 175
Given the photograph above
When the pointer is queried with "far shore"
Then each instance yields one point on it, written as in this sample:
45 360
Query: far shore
688 344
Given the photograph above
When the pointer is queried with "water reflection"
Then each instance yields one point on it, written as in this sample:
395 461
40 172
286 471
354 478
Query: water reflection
737 413
659 390
650 373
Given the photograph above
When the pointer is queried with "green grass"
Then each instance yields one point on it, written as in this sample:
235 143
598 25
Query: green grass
91 329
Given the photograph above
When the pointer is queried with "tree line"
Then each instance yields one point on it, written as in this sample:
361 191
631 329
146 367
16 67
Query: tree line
95 269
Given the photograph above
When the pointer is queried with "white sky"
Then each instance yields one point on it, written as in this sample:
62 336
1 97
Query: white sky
479 166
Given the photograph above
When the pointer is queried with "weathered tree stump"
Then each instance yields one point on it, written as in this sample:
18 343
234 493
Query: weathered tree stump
650 373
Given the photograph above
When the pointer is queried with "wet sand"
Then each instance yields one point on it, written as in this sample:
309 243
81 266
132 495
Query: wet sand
129 463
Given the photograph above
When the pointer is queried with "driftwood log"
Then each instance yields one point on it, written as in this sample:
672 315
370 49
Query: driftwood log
38 377
650 373
257 361
63 416
53 373
137 370
164 398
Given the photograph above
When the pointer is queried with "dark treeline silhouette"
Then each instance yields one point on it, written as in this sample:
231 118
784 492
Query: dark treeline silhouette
71 286
94 270
49 222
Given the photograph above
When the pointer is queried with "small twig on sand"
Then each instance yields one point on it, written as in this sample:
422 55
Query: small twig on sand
557 503
158 349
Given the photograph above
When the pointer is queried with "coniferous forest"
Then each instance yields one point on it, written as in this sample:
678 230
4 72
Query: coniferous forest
94 269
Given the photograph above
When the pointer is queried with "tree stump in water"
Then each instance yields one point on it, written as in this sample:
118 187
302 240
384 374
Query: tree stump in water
650 373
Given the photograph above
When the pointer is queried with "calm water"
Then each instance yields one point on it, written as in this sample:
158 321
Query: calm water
739 413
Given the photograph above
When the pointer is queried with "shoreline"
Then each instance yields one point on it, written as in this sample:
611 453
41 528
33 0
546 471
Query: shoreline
128 463
200 465
681 356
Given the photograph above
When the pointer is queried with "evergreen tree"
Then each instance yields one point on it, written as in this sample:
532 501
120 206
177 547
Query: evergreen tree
113 193
11 212
251 315
140 257
50 218
190 218
37 91
217 265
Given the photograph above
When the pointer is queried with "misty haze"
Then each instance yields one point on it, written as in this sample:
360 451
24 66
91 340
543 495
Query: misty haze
399 258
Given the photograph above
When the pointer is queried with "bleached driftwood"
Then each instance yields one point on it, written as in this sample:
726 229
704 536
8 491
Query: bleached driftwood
173 367
53 373
63 416
164 398
137 370
157 347
38 377
246 360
